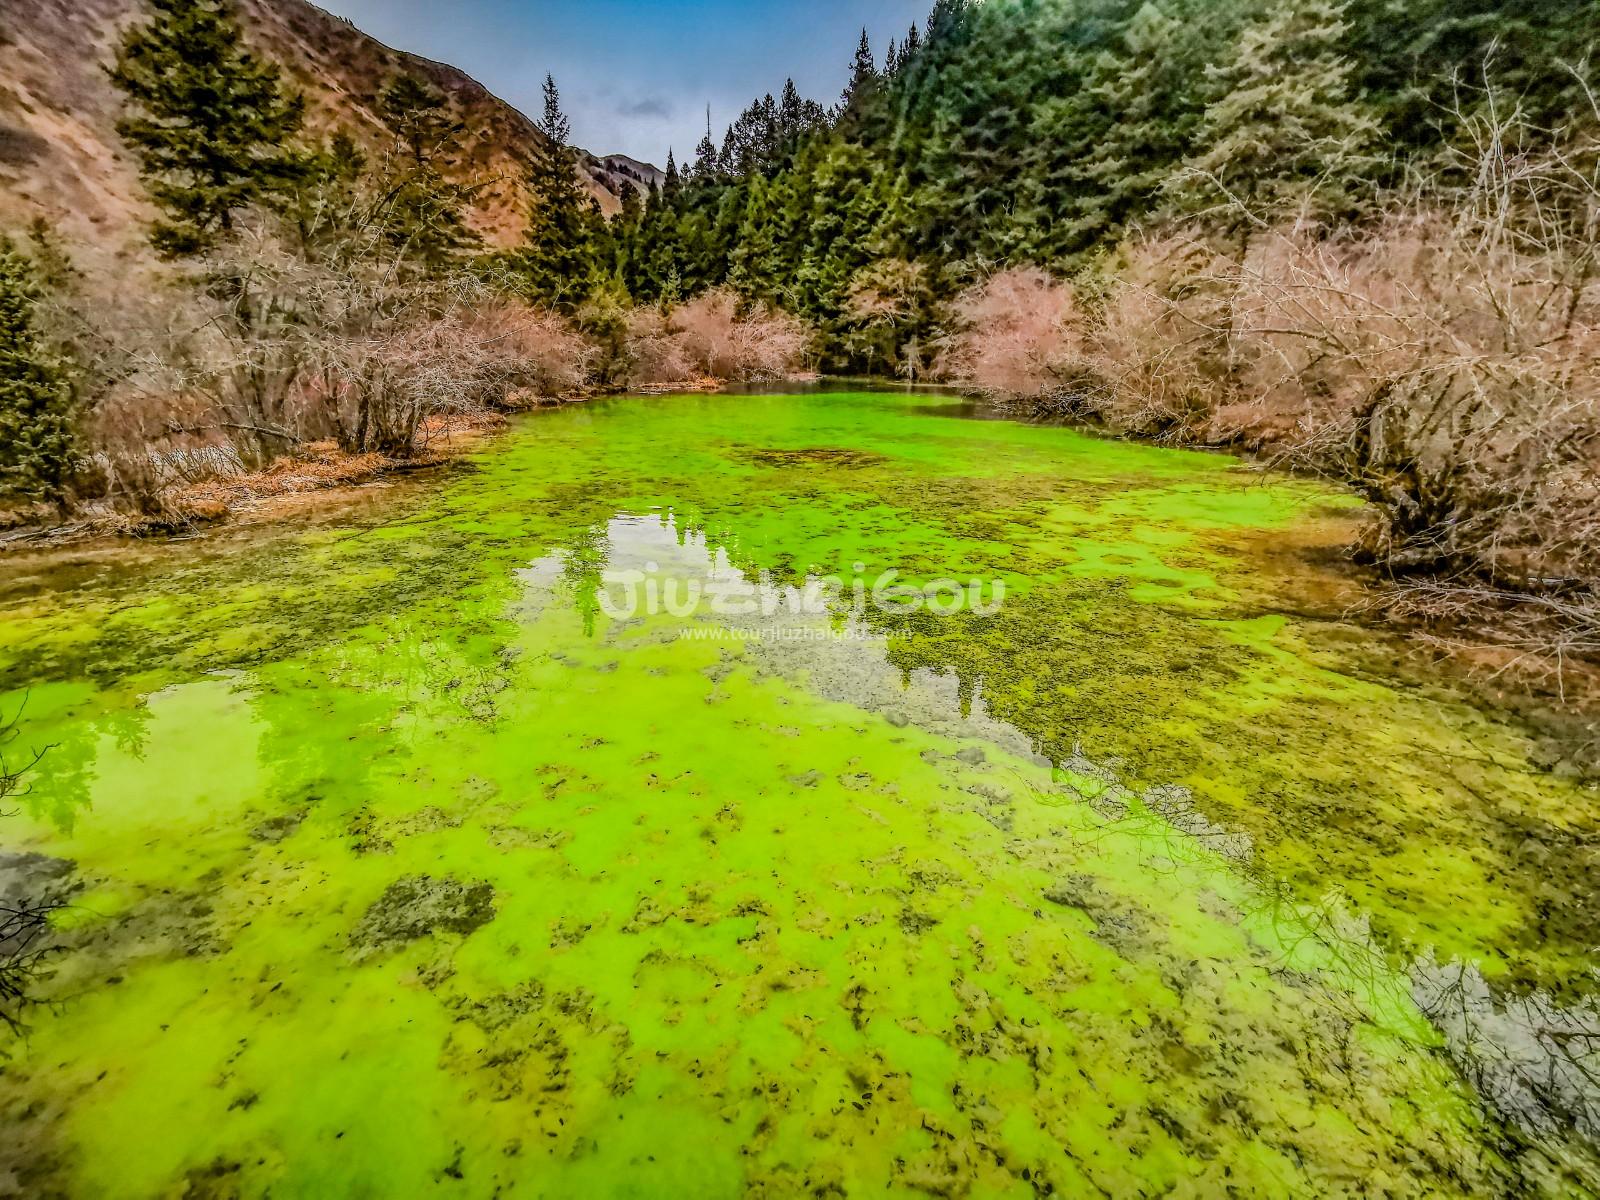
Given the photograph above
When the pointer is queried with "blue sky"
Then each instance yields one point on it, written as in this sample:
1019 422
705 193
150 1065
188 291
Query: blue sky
636 77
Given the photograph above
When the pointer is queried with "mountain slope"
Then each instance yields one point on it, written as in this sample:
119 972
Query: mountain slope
60 157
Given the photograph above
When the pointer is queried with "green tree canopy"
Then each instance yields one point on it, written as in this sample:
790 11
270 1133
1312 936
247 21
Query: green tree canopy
556 262
212 125
1284 134
37 444
423 207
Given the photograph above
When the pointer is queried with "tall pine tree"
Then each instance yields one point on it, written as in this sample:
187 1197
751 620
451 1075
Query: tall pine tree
423 206
1284 134
1123 132
212 126
556 261
707 169
862 93
37 446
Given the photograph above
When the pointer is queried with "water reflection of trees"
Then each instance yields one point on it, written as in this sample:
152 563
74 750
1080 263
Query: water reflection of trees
25 906
1533 1060
1333 783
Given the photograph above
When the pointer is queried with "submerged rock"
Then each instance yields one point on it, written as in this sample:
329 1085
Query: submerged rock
419 905
1116 925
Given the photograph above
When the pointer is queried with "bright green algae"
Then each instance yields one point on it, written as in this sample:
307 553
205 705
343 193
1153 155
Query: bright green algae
400 865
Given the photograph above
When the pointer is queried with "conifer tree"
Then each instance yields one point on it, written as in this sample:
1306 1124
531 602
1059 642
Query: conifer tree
1421 61
556 261
671 181
706 165
947 20
1122 133
37 446
329 199
212 124
424 209
796 119
909 47
862 91
1283 132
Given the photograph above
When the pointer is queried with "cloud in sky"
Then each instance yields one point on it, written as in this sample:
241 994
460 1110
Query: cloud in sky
636 77
652 106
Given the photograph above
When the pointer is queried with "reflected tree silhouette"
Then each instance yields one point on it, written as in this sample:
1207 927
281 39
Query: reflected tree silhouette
585 557
1532 1059
24 921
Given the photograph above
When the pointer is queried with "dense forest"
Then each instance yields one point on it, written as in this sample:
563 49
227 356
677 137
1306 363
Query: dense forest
1041 133
1358 237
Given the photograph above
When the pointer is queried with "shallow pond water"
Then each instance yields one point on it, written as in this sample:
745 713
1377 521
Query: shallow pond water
410 846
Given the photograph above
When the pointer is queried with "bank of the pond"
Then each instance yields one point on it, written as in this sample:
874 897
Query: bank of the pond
277 489
456 840
1528 639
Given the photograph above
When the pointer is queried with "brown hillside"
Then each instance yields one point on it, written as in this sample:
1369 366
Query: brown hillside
60 156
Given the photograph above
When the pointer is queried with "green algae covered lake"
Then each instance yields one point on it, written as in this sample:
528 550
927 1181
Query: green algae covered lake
462 837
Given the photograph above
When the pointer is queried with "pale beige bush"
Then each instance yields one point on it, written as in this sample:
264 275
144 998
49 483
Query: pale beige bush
1018 336
716 335
1445 362
655 353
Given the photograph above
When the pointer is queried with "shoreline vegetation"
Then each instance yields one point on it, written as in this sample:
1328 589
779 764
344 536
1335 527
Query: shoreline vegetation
1290 230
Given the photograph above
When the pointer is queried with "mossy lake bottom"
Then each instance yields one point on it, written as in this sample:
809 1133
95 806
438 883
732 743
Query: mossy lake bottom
403 856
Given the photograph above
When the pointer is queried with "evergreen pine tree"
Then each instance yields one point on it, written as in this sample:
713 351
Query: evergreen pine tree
862 92
706 166
1419 61
947 20
791 118
671 181
1121 134
37 447
909 47
423 207
1284 132
556 261
330 198
212 125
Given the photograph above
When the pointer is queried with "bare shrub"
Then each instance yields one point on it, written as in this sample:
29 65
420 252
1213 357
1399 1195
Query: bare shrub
1444 361
1160 340
528 350
716 335
1018 336
655 353
271 346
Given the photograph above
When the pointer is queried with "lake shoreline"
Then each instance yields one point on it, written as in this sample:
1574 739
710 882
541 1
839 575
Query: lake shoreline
1558 699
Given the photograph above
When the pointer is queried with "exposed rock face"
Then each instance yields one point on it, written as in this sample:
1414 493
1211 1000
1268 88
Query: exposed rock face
60 156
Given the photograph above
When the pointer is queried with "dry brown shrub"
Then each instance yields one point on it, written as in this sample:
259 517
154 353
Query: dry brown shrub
1160 340
512 346
655 352
1444 361
267 348
716 335
1018 336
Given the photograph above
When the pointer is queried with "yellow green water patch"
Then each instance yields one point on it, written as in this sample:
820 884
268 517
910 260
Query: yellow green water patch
403 862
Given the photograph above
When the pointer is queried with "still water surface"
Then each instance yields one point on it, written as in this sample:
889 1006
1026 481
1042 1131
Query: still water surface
403 854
